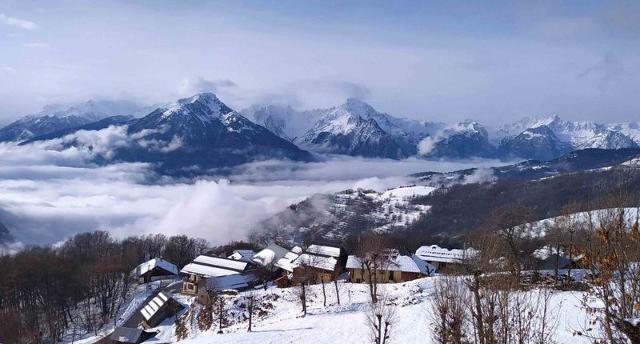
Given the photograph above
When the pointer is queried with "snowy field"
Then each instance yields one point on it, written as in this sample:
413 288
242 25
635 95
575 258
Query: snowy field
346 323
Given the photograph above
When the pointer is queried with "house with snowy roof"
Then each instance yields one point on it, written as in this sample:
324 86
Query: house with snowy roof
440 257
154 269
207 273
318 263
277 262
390 267
157 309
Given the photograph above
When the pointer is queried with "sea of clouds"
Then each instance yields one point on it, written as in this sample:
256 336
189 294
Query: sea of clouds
50 190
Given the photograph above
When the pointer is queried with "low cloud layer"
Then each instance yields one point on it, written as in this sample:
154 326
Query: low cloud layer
49 192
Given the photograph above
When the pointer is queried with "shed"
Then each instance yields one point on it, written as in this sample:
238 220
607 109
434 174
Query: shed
154 269
158 309
129 335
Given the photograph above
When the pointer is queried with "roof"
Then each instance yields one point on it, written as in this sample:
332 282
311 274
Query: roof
154 305
435 253
270 255
396 263
239 281
323 250
126 334
206 270
221 262
425 268
243 255
152 264
319 262
286 262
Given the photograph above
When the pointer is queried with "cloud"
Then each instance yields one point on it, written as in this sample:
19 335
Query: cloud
36 45
189 87
606 71
17 22
50 191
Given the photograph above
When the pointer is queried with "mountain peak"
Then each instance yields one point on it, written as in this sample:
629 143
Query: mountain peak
202 105
206 98
357 106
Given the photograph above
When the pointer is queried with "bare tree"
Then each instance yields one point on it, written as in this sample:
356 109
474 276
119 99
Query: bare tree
613 254
373 261
449 311
381 318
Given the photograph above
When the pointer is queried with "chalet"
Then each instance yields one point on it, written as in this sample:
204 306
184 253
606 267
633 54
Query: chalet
391 267
279 261
154 269
318 263
129 335
439 257
157 309
208 273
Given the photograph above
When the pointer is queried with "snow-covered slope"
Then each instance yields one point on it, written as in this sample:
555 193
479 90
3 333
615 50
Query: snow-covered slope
353 128
534 143
462 140
335 216
574 134
55 118
278 317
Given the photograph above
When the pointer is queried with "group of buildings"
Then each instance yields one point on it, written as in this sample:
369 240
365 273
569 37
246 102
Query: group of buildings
286 267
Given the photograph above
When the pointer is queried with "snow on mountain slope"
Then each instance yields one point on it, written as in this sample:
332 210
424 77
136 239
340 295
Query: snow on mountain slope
341 131
333 216
579 134
60 117
534 143
462 140
283 120
353 128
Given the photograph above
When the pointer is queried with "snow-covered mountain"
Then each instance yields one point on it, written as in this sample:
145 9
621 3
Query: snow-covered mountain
283 120
54 118
353 128
539 143
575 134
462 140
201 132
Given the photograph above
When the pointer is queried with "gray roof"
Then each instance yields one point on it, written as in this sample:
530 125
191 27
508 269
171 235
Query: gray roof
126 334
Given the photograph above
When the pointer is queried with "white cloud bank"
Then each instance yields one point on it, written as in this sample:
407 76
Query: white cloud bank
49 192
17 22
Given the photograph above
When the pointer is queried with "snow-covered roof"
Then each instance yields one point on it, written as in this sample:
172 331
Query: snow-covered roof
154 305
323 250
319 262
153 263
206 270
238 281
435 253
395 263
269 255
243 255
286 262
221 262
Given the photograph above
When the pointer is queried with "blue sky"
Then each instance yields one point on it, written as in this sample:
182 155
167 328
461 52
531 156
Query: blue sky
489 61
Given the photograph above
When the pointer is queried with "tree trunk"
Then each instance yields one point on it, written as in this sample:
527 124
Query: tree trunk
303 298
250 309
335 282
324 294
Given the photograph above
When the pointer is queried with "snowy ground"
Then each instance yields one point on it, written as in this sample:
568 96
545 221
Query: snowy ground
347 323
280 320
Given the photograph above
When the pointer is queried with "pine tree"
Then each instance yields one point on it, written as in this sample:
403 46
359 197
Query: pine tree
181 330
